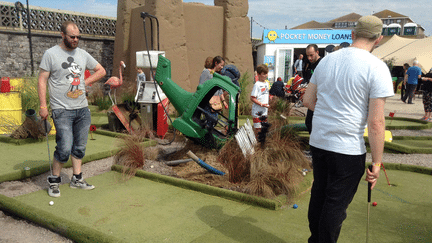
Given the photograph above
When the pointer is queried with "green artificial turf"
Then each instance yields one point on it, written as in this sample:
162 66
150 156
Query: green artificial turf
141 210
99 119
22 161
399 123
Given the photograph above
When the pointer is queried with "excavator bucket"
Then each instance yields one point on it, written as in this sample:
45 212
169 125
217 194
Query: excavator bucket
194 108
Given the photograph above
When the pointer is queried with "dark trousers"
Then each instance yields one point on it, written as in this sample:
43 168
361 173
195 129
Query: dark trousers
308 120
336 178
409 94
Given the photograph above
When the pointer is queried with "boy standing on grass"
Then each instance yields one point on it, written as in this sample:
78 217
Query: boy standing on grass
260 97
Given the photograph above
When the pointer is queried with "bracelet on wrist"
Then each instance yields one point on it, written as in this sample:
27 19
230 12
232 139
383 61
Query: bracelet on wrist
43 107
377 164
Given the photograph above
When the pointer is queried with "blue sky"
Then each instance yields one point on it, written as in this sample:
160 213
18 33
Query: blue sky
274 14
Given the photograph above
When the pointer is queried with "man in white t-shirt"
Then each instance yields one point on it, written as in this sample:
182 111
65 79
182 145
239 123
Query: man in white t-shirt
260 97
347 91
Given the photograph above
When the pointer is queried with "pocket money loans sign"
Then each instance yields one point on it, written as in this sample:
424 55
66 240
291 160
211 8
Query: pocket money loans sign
306 36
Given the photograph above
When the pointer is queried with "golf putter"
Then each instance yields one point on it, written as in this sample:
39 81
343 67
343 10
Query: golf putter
49 155
368 207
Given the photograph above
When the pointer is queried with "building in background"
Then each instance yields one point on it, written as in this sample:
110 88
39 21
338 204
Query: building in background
280 48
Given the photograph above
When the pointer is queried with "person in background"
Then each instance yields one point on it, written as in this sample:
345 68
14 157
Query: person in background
340 118
298 66
260 97
312 53
207 72
212 65
427 96
141 77
411 79
217 64
277 89
62 69
400 79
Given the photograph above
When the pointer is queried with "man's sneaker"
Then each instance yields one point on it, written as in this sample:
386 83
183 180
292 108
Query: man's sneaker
54 183
80 183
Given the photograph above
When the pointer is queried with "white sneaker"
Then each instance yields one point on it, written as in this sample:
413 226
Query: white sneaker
81 183
54 183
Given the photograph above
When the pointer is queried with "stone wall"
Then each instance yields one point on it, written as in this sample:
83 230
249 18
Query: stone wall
15 53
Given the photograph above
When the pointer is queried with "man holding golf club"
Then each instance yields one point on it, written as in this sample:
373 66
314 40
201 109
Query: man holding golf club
347 91
62 69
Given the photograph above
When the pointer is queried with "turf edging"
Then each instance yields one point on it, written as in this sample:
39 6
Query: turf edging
215 191
68 229
425 124
409 168
37 170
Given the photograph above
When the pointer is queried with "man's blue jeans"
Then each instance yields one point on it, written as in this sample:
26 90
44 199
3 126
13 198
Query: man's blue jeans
72 128
336 178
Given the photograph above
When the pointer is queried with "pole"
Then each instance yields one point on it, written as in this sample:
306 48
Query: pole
368 206
29 37
251 27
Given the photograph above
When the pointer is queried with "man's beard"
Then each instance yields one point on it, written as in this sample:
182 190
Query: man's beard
69 44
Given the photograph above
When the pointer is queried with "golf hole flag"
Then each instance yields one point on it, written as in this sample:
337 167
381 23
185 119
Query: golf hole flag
392 115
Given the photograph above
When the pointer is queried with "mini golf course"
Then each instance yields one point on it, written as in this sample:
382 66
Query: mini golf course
147 210
156 208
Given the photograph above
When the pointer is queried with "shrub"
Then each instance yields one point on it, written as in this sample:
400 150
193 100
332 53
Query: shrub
244 105
103 102
29 94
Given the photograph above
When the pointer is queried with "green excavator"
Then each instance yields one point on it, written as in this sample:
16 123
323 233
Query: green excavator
193 108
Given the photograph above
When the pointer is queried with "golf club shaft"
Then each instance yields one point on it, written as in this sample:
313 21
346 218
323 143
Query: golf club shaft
388 181
49 155
368 207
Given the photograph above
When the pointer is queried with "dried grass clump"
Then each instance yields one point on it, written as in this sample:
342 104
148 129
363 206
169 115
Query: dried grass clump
273 169
237 165
133 154
280 106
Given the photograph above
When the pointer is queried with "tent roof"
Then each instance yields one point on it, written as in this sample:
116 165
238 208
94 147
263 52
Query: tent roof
405 50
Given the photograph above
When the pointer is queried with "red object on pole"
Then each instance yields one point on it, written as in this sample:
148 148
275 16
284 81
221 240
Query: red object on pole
162 119
391 114
122 118
5 85
388 182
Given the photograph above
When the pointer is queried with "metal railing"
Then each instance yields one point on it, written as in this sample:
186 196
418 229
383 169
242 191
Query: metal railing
50 20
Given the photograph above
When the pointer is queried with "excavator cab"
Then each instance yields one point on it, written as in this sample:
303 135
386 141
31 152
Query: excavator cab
197 121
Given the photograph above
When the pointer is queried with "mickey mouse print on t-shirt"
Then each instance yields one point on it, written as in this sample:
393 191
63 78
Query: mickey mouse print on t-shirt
74 75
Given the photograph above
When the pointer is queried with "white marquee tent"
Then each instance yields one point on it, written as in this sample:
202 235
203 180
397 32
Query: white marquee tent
405 50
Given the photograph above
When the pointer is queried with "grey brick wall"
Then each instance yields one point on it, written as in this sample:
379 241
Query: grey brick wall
15 53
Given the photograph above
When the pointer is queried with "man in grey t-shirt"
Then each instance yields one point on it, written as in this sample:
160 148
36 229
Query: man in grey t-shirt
62 69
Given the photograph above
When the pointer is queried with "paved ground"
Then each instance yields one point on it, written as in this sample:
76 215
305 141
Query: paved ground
394 104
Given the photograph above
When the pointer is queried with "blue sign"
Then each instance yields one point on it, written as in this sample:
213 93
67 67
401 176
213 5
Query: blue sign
269 60
306 36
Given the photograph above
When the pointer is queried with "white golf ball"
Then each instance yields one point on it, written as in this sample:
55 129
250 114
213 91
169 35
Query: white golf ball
304 173
51 203
152 166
